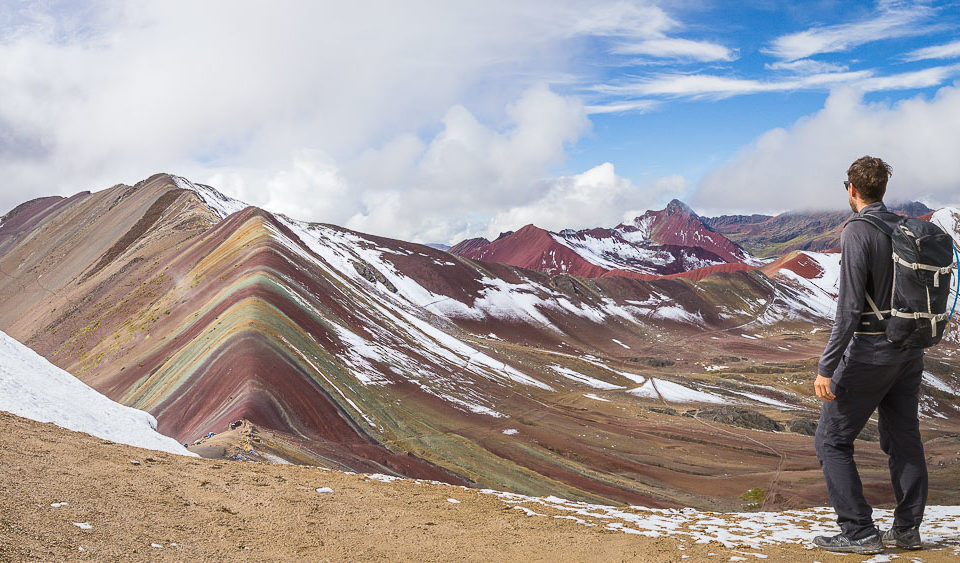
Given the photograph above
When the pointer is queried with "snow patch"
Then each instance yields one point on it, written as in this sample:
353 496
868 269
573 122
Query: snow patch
584 379
596 397
33 388
672 392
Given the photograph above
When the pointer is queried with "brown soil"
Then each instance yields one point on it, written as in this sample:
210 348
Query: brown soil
201 509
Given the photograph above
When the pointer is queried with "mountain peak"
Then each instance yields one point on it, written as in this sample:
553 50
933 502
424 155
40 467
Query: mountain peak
677 206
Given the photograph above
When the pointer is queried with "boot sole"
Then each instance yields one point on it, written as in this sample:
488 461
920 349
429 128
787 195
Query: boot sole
903 546
852 549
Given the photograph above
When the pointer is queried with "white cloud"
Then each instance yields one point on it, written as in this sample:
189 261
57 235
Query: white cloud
948 51
723 86
806 66
893 19
417 120
803 166
597 197
677 48
910 80
623 19
452 186
245 91
714 86
640 106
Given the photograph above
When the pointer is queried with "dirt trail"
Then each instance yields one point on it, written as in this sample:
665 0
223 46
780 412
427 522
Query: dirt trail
169 507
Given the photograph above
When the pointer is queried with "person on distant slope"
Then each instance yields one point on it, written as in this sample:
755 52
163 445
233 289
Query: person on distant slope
859 372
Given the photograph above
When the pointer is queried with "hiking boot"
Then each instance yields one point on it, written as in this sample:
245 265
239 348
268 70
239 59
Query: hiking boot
864 546
904 538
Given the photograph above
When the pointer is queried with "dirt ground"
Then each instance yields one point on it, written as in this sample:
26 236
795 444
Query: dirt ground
145 505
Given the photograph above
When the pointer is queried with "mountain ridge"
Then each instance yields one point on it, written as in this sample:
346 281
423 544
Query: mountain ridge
370 353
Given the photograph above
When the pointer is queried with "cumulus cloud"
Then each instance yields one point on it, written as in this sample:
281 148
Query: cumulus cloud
418 120
802 167
468 171
597 197
112 93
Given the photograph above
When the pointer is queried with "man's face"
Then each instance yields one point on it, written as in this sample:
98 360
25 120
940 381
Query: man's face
853 204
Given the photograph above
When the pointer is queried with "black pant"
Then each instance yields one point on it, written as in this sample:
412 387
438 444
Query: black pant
860 389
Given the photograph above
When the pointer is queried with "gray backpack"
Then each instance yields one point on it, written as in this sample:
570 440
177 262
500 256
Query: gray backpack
922 270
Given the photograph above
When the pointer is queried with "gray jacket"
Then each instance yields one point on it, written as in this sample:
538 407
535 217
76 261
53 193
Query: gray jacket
865 267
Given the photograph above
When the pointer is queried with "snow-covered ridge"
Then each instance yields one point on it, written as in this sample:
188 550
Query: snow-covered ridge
218 203
33 388
948 219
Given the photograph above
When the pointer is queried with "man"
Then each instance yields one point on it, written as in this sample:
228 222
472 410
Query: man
860 372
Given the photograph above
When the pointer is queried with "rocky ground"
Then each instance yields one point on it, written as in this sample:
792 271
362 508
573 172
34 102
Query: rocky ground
66 495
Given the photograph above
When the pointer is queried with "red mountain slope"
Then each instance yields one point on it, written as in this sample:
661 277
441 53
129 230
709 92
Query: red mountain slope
658 243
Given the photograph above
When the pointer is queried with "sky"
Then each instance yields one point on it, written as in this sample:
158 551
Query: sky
436 121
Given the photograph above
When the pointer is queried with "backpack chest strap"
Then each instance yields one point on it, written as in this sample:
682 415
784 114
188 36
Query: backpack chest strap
937 271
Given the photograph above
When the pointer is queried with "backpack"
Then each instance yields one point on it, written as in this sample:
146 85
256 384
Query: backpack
922 266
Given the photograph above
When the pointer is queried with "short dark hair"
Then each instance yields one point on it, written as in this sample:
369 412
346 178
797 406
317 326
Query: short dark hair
869 175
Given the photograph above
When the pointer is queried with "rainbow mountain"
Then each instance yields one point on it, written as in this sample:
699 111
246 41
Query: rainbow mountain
311 343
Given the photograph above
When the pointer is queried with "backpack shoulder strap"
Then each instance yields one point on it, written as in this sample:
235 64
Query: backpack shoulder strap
875 221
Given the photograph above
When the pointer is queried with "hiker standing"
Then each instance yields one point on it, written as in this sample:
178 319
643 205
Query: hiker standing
861 371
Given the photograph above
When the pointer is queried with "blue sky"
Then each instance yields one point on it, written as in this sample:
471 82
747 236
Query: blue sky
770 43
435 121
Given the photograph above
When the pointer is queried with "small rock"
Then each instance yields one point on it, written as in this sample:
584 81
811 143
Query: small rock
805 426
737 416
324 490
156 545
83 525
134 462
453 500
59 504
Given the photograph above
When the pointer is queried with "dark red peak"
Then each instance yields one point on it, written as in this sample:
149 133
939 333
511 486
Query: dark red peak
677 206
911 209
528 229
528 234
469 245
535 249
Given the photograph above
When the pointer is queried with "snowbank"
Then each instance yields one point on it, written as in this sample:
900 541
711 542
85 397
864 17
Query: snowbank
32 387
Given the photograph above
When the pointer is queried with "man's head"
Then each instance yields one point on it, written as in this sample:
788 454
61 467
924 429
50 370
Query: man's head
868 175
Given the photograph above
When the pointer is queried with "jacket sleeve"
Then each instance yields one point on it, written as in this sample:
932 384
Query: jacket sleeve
854 270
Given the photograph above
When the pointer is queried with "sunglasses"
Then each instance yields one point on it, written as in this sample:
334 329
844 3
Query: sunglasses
846 184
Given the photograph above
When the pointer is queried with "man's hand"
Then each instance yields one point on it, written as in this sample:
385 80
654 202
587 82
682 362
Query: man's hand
822 387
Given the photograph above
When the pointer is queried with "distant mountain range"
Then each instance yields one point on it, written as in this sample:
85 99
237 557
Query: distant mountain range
565 372
672 241
767 236
658 243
